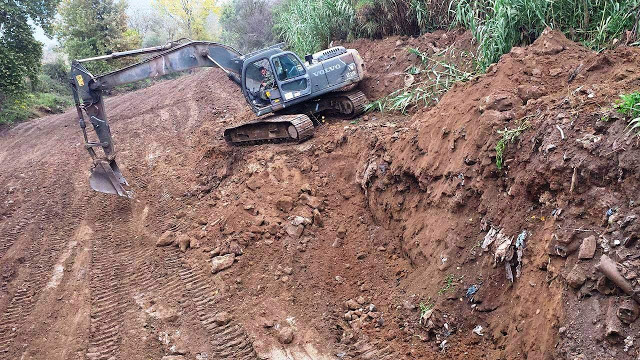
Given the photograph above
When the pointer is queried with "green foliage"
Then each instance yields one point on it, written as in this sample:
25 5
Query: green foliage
88 28
309 25
448 284
509 136
629 105
437 76
247 24
425 309
20 53
190 16
499 25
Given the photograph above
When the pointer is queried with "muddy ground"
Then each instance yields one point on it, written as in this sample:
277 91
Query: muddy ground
386 237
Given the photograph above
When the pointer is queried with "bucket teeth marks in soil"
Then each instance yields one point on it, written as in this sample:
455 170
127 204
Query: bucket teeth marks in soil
228 341
110 260
364 350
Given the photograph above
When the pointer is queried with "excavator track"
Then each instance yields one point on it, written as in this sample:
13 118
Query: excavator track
281 128
352 103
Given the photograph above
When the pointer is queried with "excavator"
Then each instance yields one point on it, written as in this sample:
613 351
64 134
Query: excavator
282 90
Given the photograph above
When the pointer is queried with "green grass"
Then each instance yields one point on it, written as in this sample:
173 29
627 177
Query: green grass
499 25
629 106
449 284
436 77
508 136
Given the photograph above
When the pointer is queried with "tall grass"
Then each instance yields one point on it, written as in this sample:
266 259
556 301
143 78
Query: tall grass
499 25
310 25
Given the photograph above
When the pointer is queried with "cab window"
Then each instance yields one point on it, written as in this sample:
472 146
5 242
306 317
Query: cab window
287 67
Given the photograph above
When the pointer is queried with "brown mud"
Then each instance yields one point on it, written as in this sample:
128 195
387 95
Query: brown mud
364 242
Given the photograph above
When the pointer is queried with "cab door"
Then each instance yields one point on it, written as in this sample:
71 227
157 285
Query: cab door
291 76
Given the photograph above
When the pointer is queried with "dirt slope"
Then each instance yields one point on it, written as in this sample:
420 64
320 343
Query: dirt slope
336 242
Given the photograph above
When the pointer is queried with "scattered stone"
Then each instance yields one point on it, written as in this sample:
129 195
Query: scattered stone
285 203
588 248
284 278
342 232
220 263
562 330
576 277
337 243
183 242
360 300
339 279
222 318
288 270
306 188
351 304
294 231
382 248
300 220
311 201
285 335
361 255
317 218
372 308
165 239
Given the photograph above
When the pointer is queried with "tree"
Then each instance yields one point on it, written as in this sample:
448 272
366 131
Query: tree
20 52
154 27
95 27
190 15
247 24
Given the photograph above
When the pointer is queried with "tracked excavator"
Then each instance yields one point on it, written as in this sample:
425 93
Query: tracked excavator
281 89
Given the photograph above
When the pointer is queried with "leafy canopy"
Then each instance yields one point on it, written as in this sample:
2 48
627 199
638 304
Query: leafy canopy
20 52
190 15
90 28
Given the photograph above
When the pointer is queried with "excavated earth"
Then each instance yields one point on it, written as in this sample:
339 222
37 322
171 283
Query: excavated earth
384 237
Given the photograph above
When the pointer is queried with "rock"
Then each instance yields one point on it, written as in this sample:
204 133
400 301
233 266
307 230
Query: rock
339 279
305 188
348 316
501 101
295 231
576 277
165 239
317 218
285 335
372 308
342 232
220 263
222 318
310 201
287 270
587 248
285 203
530 92
360 300
300 220
337 243
351 304
361 255
183 242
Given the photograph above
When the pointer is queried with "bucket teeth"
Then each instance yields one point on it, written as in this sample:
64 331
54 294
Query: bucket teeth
107 178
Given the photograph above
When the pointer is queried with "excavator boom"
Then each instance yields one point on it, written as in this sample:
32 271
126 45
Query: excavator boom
88 90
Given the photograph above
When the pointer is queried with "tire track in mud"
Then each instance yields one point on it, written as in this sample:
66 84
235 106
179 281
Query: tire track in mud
364 350
228 341
39 259
109 284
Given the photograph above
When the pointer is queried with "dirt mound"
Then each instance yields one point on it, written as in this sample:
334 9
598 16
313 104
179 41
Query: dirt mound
568 173
388 60
365 242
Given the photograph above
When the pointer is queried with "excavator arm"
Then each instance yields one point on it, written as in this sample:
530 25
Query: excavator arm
88 90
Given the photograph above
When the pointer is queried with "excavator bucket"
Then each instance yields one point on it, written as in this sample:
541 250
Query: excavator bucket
107 178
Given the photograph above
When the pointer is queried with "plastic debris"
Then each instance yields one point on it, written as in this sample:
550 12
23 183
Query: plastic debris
478 330
471 291
610 212
505 249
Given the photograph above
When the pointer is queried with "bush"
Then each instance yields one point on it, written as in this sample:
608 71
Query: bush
499 25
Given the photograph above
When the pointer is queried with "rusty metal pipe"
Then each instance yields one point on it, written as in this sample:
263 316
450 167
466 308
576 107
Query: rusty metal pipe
608 268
